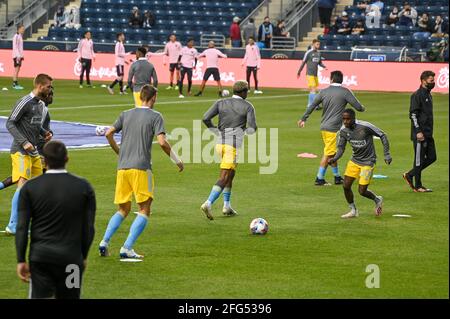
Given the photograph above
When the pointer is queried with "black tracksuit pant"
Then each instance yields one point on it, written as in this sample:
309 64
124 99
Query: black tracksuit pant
424 156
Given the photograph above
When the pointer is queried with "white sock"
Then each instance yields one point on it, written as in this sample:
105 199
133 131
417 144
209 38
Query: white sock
353 207
104 244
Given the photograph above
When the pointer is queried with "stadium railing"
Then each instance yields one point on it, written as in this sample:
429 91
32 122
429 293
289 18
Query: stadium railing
378 54
284 43
219 40
301 20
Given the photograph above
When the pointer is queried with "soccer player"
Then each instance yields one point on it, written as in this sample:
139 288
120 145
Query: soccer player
212 66
25 125
86 55
312 60
173 50
134 176
120 64
236 118
421 115
141 73
17 55
362 164
252 60
188 62
334 99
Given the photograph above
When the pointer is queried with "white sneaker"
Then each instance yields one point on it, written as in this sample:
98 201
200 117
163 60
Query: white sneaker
207 210
350 214
111 91
9 232
258 92
181 96
379 206
123 93
129 254
228 211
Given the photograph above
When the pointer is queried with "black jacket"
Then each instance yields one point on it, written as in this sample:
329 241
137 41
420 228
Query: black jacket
421 113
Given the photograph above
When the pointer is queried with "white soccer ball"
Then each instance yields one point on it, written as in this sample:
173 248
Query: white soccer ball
101 130
225 93
259 226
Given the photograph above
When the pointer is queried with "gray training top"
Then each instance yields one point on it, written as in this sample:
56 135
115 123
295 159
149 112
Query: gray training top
361 139
144 73
25 124
138 126
334 99
312 59
235 114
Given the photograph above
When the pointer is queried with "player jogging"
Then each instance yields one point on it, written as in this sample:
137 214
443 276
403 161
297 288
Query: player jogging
134 176
120 56
212 66
188 62
172 50
312 60
236 118
252 60
334 99
25 125
17 55
86 55
141 72
362 163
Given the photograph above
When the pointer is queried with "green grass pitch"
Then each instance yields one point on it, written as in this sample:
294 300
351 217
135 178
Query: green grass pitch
309 251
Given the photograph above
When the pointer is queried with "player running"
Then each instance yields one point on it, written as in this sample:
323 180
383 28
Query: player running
17 55
252 60
134 176
312 60
86 55
212 66
120 64
362 163
142 73
236 118
25 124
172 50
188 62
334 99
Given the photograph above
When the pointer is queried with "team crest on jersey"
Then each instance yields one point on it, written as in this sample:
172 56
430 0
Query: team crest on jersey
358 143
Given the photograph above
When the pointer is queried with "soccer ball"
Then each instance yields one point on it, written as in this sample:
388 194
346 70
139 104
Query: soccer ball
101 130
225 93
259 226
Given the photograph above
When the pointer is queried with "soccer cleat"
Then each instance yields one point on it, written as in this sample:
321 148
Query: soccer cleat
350 214
176 87
257 92
321 182
422 190
103 250
17 87
198 94
129 254
181 96
123 93
91 86
189 93
206 209
228 211
81 86
111 91
9 232
408 180
169 87
378 206
338 180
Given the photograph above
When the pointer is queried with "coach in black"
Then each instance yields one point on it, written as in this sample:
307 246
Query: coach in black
61 208
421 115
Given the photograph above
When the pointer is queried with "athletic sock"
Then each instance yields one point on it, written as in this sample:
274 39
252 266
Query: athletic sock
227 197
114 223
121 86
14 211
2 186
136 230
321 172
353 207
113 84
335 171
214 195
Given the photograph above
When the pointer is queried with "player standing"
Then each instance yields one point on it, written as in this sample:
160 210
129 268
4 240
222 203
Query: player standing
362 164
141 72
86 55
252 60
173 50
25 125
334 99
236 118
18 56
120 55
312 60
134 176
212 66
188 62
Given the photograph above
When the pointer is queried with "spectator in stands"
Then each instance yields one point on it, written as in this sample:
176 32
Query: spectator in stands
60 17
249 30
373 17
149 20
358 28
135 20
235 33
378 4
333 26
74 18
325 11
343 24
425 27
265 33
393 18
280 30
440 28
408 16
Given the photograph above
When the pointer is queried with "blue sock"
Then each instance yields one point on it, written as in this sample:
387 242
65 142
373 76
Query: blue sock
14 211
2 186
335 171
311 97
226 196
215 193
321 172
136 230
113 225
